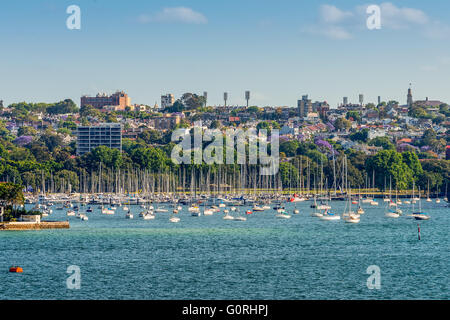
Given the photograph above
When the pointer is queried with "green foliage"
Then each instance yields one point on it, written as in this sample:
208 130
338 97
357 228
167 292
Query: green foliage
383 142
290 148
289 174
342 124
353 115
149 158
21 110
26 131
11 194
110 158
412 161
361 136
389 163
151 136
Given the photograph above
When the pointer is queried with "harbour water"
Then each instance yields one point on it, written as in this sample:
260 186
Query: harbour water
210 258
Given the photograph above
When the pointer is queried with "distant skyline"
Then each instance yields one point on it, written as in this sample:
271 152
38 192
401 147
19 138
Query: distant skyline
278 50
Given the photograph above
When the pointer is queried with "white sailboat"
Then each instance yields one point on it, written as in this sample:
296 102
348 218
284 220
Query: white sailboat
282 214
329 216
390 213
129 215
349 216
227 216
149 216
420 215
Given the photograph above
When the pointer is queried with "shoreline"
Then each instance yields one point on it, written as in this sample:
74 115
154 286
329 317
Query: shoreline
44 225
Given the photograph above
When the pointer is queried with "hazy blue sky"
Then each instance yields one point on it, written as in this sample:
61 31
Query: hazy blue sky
277 49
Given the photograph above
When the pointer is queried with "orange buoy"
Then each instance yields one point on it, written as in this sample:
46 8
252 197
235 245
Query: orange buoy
16 269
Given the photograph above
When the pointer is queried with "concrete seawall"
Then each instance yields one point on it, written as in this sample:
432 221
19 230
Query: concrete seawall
18 226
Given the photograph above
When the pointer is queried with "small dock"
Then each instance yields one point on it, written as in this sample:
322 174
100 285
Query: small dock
43 225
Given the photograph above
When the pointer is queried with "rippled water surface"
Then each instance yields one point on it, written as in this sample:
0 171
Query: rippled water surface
211 258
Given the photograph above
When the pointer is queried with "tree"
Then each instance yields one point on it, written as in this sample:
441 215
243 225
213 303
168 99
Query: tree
389 163
383 142
342 124
417 112
40 153
149 158
26 131
10 195
151 136
253 109
432 179
51 140
110 158
89 111
216 124
192 101
412 161
290 148
362 135
289 174
62 107
178 106
353 115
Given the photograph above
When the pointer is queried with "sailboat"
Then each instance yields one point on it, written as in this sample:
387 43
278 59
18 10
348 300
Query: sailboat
129 215
161 209
349 216
107 210
420 215
296 211
257 208
227 215
428 197
148 216
329 216
282 214
208 212
373 202
360 209
390 213
239 217
296 198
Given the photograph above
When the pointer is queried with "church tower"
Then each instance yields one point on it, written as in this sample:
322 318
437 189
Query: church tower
409 97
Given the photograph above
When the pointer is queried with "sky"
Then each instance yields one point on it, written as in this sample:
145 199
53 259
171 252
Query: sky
279 50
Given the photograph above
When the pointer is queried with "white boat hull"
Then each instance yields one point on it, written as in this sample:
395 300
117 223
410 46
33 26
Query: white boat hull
330 218
392 215
283 216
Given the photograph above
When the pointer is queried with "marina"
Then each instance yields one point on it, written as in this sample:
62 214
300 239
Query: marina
181 256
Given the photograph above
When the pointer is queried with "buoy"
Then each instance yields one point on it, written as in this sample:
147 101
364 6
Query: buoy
16 269
418 229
